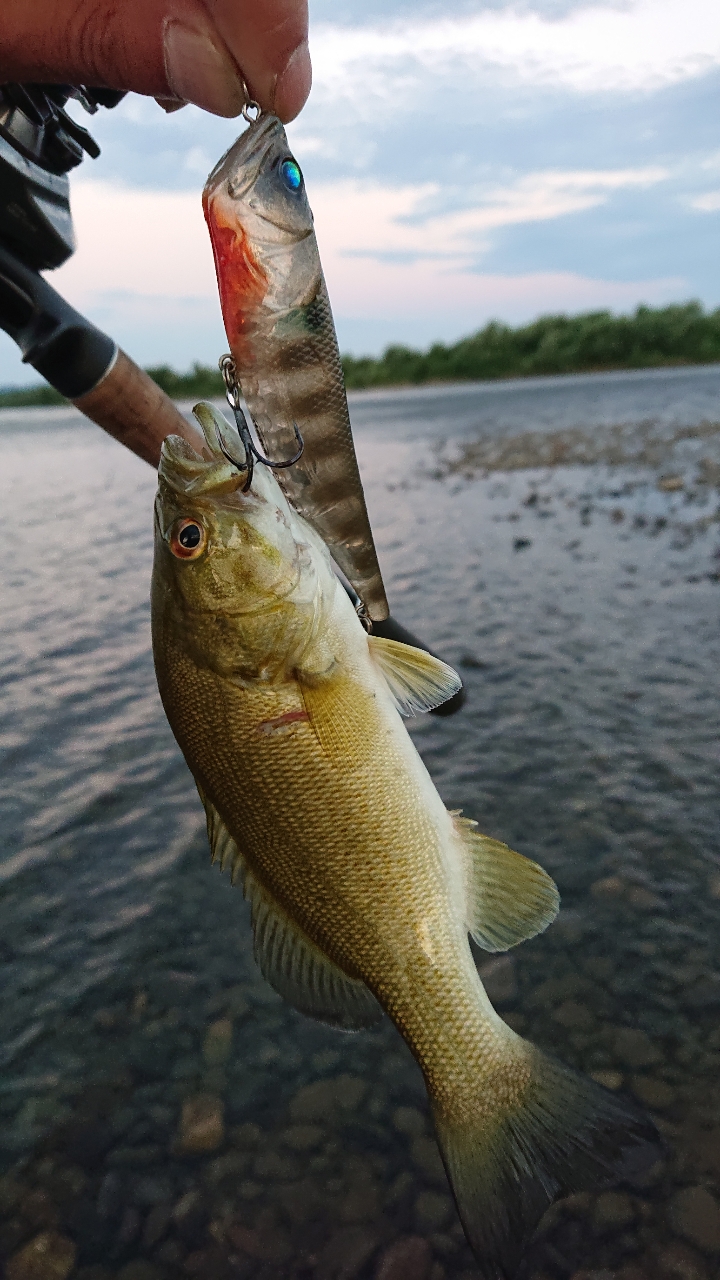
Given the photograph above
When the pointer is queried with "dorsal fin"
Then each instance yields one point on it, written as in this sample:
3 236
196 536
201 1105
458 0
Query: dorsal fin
417 680
287 958
510 898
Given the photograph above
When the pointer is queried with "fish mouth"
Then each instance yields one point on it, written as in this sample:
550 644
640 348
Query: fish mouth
243 160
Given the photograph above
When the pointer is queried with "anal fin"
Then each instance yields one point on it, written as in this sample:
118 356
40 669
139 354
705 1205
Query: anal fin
510 898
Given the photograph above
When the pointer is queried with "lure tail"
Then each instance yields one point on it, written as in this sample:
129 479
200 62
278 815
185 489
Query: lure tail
565 1134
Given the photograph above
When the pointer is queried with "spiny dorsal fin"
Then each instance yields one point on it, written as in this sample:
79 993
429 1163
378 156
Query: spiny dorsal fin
298 970
510 898
417 681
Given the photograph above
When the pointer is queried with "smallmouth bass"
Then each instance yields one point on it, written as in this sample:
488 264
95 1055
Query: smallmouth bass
363 887
281 333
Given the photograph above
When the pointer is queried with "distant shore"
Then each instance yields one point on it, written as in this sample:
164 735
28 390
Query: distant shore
597 341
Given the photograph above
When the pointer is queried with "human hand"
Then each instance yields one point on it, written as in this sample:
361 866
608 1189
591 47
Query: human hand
175 50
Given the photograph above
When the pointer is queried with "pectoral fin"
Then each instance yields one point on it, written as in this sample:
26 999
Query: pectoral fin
338 708
510 898
287 958
417 681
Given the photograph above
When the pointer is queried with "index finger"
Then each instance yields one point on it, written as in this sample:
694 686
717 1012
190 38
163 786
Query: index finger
269 42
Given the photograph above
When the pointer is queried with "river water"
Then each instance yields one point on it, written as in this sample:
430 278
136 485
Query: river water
163 1113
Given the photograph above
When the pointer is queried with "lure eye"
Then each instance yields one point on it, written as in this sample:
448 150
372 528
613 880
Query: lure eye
291 175
188 540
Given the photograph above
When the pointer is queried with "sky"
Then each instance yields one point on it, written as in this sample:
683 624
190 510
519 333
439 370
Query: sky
465 160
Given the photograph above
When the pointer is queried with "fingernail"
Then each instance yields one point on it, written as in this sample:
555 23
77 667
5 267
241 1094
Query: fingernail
293 84
199 70
170 104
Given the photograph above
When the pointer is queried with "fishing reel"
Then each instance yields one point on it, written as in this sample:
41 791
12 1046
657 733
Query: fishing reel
39 145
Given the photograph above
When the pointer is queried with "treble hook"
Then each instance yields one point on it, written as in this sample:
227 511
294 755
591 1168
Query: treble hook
226 365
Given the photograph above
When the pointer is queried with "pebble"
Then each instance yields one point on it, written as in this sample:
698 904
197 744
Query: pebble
301 1200
346 1253
303 1137
217 1046
608 1079
613 1211
399 1188
695 1215
499 979
49 1256
231 1166
432 1211
246 1135
408 1258
202 1126
671 484
608 889
189 1214
249 1190
677 1262
634 1048
361 1203
573 1016
654 1094
315 1101
156 1224
708 1151
410 1121
269 1166
426 1156
139 1269
270 1245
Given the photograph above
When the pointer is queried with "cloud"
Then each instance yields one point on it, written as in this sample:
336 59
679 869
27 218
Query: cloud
151 243
155 243
397 270
642 45
361 219
708 203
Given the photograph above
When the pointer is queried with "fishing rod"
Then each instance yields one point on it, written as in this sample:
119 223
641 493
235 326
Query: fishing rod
40 143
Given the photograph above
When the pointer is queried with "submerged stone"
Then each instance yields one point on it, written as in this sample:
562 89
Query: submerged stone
217 1046
408 1258
49 1256
202 1126
695 1215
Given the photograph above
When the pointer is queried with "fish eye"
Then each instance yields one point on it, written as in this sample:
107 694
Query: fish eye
291 174
188 539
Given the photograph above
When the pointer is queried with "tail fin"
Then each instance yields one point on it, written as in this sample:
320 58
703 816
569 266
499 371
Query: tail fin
567 1134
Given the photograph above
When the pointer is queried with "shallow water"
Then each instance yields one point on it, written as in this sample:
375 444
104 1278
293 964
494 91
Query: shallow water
163 1113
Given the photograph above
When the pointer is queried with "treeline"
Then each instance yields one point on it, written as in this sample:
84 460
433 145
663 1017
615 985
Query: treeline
598 340
201 383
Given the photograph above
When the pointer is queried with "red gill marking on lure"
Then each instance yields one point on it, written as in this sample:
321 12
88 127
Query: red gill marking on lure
241 280
280 722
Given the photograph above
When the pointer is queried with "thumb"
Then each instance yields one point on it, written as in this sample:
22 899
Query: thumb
178 49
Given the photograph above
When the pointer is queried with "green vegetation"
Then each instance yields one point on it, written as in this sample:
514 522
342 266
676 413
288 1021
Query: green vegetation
682 334
22 396
201 383
598 340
